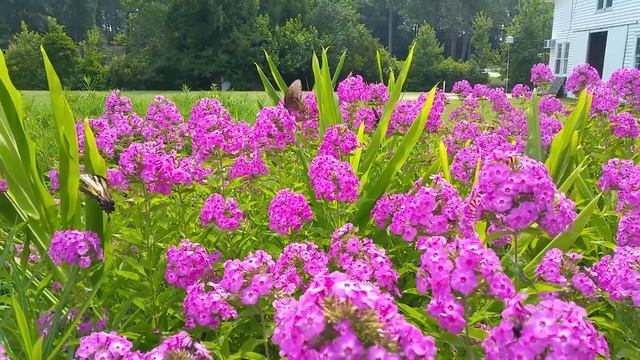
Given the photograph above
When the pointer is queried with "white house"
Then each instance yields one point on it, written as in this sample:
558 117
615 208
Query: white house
603 33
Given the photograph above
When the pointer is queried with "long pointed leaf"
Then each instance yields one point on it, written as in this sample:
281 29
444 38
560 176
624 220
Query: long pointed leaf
444 161
338 70
268 88
565 240
379 66
534 144
375 188
275 74
66 140
376 139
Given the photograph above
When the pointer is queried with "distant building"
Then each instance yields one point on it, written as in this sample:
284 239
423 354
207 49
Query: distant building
603 33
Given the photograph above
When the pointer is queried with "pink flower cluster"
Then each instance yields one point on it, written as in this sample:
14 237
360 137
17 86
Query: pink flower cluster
75 247
516 191
541 75
288 211
624 177
338 141
249 166
457 266
521 91
111 346
624 125
354 89
552 329
250 278
297 265
179 346
556 267
3 354
619 275
340 318
187 263
362 260
624 84
583 76
423 211
462 87
206 304
333 179
275 128
225 213
101 345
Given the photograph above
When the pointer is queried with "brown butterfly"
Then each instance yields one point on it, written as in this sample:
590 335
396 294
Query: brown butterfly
293 98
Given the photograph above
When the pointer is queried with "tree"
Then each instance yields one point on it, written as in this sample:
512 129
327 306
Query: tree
530 27
77 16
428 55
62 52
92 59
292 46
25 61
481 53
339 29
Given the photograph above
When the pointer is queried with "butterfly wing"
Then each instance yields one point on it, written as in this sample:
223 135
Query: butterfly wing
96 187
293 100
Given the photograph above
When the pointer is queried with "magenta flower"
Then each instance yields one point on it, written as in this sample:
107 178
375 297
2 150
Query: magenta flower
550 329
225 213
54 179
541 74
187 263
297 265
333 179
516 191
362 260
206 305
248 166
288 211
101 345
3 354
521 91
462 88
619 274
349 309
179 346
75 247
549 105
338 141
583 76
249 279
275 128
624 125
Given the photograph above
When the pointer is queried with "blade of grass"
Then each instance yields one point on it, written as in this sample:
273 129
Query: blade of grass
379 66
268 88
338 70
23 326
381 130
565 240
444 161
275 74
376 187
534 144
66 140
355 158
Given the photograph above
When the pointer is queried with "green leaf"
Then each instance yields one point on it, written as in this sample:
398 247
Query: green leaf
534 144
67 142
379 66
563 145
23 326
276 74
376 187
444 162
268 88
338 70
355 158
564 241
36 352
328 110
381 130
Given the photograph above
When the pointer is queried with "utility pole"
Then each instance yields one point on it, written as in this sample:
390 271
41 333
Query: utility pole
391 7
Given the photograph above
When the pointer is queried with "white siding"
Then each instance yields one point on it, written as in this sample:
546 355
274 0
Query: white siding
586 17
614 54
632 40
573 20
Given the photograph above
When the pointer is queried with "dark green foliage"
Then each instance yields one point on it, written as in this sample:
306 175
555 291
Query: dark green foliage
427 59
62 51
530 27
24 60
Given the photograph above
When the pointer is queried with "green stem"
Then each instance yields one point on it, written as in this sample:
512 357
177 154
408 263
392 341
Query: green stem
467 340
515 248
265 334
147 223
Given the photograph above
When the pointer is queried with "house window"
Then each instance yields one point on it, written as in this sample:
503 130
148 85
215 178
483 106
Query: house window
562 58
637 62
604 4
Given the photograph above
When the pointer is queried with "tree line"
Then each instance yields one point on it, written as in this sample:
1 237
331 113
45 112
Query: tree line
167 44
